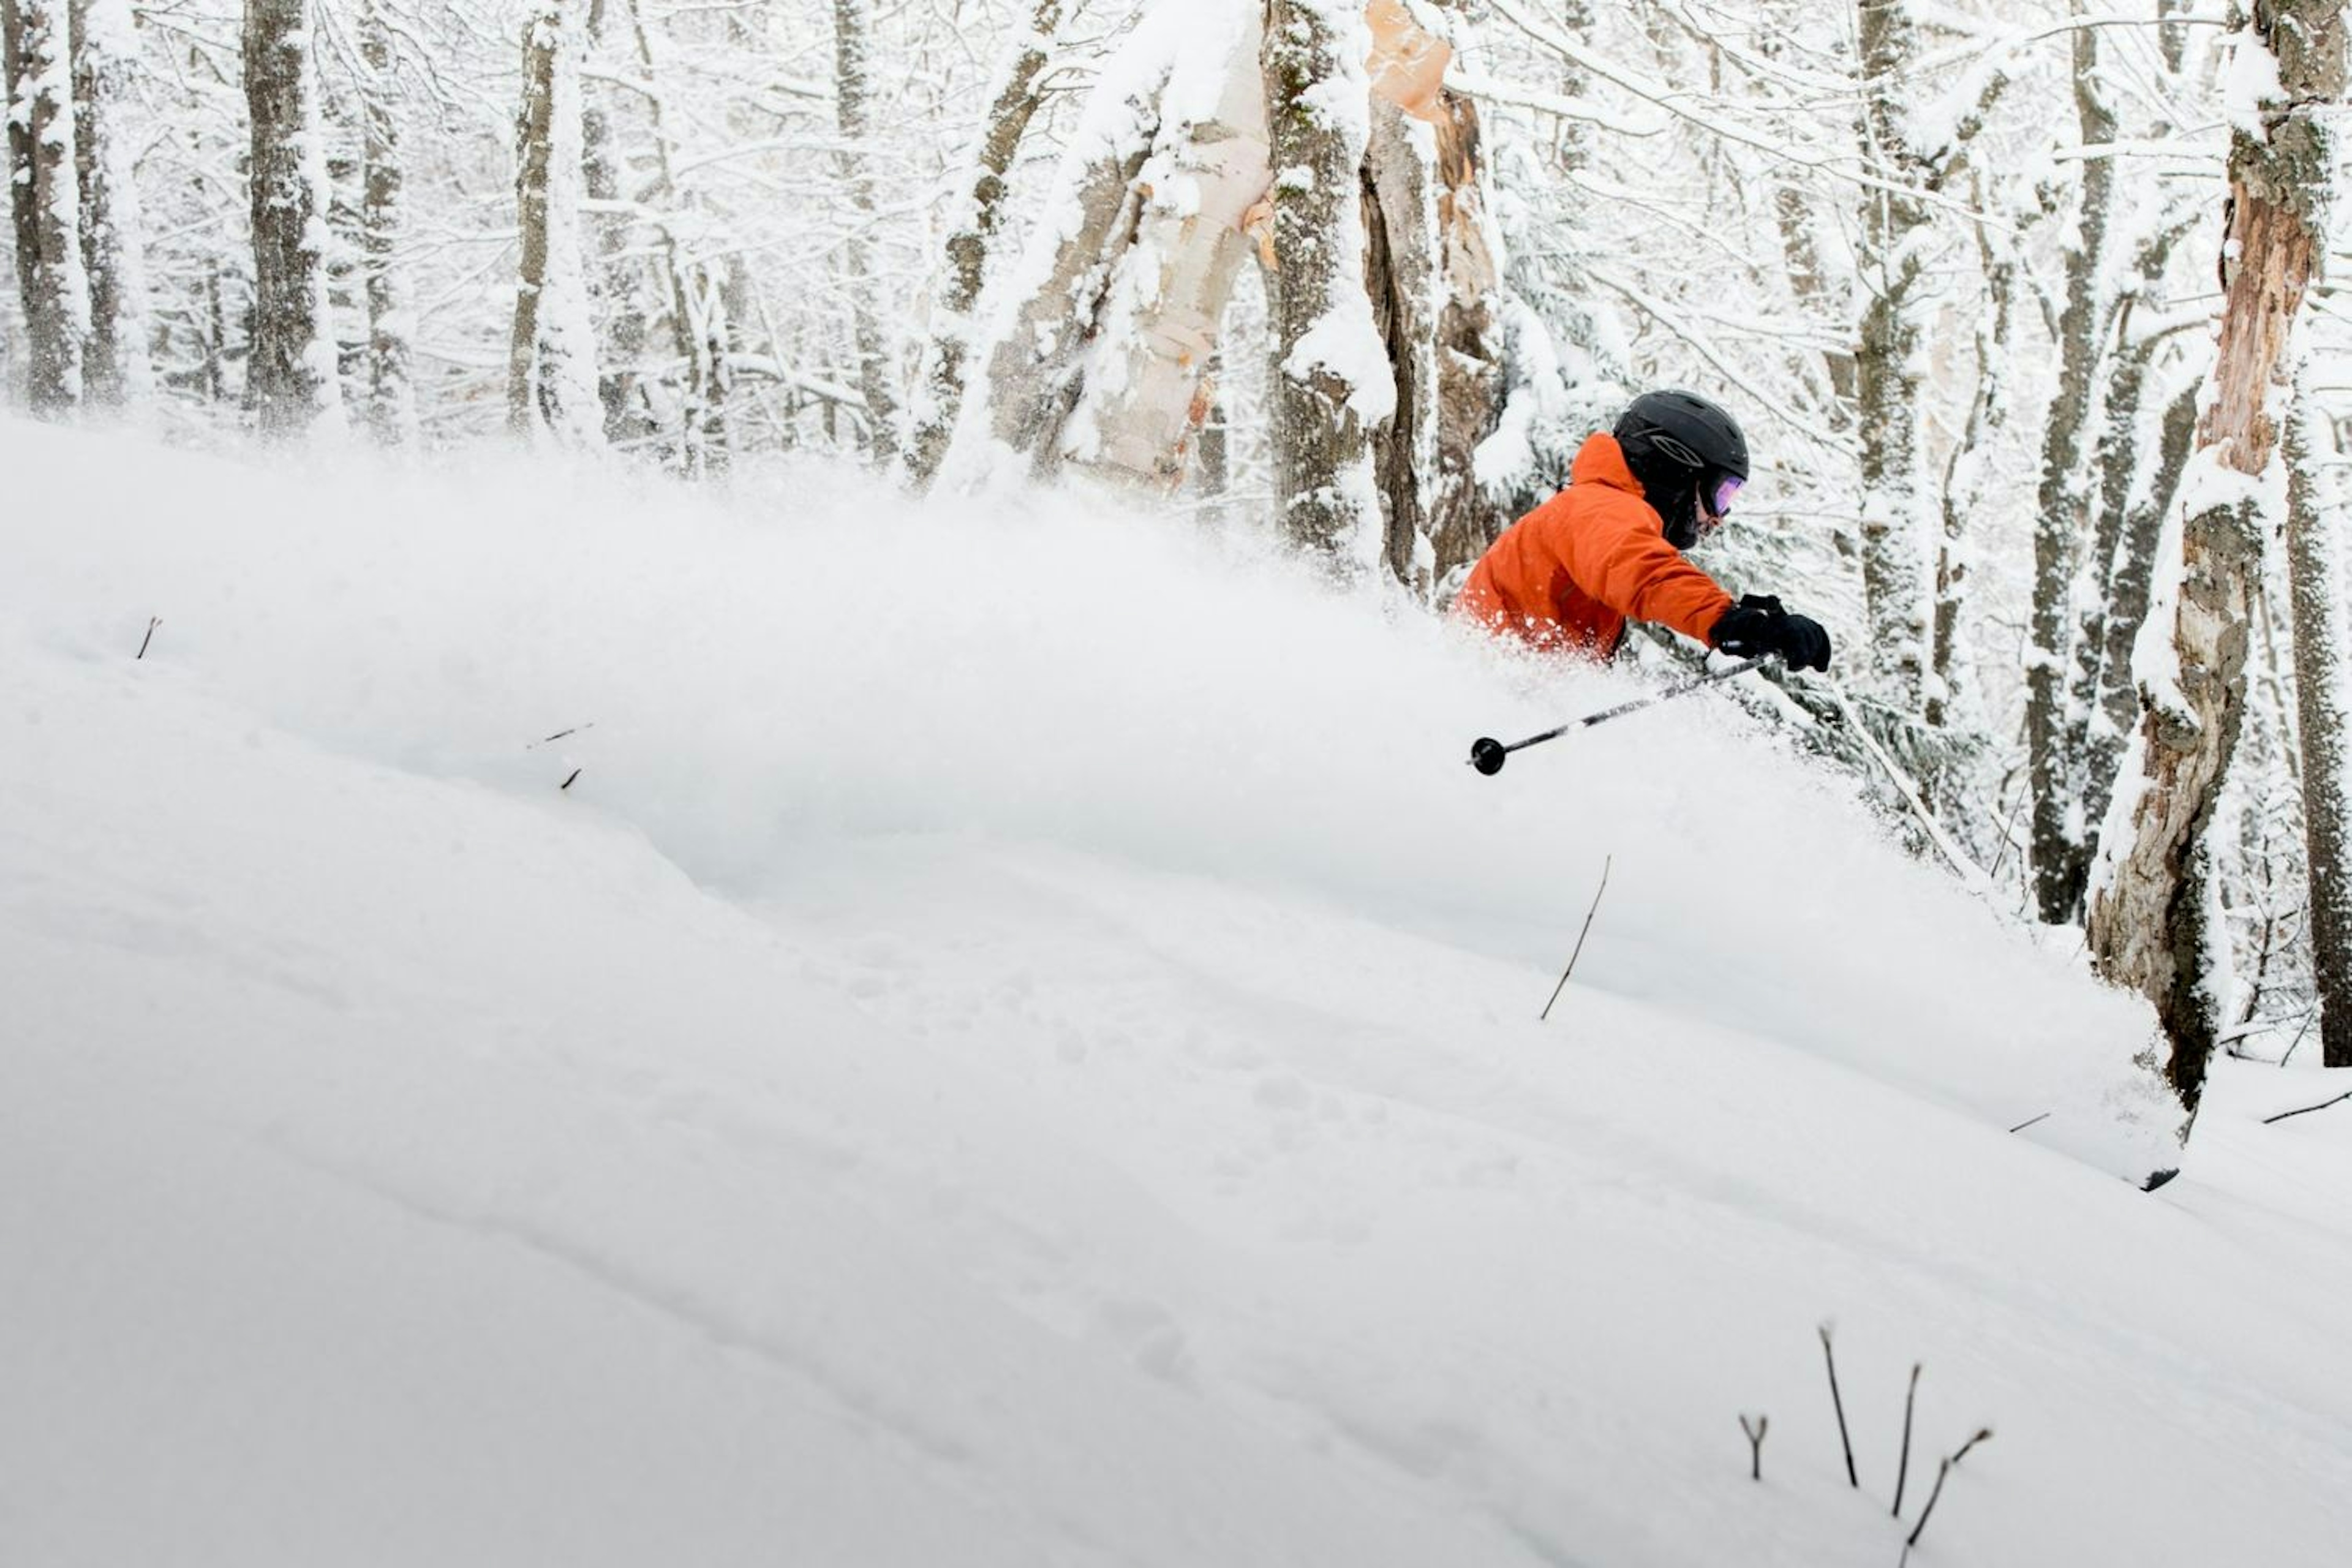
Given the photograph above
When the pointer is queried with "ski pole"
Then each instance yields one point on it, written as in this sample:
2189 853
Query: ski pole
1487 755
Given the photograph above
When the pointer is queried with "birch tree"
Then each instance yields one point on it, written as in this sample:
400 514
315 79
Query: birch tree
1332 382
1102 362
552 370
2154 918
290 378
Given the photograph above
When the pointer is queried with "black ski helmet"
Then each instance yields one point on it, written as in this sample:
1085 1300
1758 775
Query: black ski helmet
1673 440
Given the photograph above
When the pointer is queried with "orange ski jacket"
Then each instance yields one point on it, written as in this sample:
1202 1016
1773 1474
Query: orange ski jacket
1572 572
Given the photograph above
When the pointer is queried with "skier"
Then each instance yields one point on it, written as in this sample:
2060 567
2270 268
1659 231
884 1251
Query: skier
1609 548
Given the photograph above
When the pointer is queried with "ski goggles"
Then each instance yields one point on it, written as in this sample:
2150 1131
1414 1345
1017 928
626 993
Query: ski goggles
1718 497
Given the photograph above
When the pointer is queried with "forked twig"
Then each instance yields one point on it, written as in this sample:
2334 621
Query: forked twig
1755 1444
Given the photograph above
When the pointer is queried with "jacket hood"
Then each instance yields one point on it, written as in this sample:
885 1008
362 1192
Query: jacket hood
1602 462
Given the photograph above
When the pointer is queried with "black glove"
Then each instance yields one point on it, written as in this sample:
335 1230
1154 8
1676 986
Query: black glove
1757 624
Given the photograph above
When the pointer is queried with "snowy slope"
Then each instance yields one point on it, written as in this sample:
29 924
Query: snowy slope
1018 1046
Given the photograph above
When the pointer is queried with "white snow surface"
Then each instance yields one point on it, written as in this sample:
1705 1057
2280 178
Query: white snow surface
1019 1047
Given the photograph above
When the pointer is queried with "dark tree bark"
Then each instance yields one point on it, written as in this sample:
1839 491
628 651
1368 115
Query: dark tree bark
2062 518
2317 582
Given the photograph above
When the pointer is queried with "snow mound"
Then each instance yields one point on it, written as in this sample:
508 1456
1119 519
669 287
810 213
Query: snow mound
553 1019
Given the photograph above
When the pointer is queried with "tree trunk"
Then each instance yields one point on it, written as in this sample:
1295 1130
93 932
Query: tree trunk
390 377
2063 517
1142 393
22 232
614 286
2130 581
2138 472
115 370
2153 922
1434 284
852 32
1969 480
1088 223
290 379
1463 519
964 266
1887 365
550 365
2319 582
47 210
1331 379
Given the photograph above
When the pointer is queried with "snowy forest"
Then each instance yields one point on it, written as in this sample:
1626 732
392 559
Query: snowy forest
2030 310
1960 268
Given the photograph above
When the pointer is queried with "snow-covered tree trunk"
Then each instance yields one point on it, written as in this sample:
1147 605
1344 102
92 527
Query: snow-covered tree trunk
1143 391
1087 225
2139 459
2130 584
290 380
614 287
551 364
22 245
115 369
1434 291
851 85
964 267
2063 517
390 413
2319 580
1889 363
1968 482
1102 363
47 206
1332 382
698 314
2155 922
1464 516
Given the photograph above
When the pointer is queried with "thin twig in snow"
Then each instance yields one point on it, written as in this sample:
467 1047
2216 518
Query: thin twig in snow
2029 1121
1605 862
1837 1402
152 621
2307 1110
1902 1466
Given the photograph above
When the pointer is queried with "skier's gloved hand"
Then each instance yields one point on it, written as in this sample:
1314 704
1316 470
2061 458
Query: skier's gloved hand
1758 626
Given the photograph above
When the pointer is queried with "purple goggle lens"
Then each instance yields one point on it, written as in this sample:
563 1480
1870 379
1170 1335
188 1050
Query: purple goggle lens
1719 500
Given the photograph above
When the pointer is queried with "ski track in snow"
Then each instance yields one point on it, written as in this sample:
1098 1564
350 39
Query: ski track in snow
1019 1047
